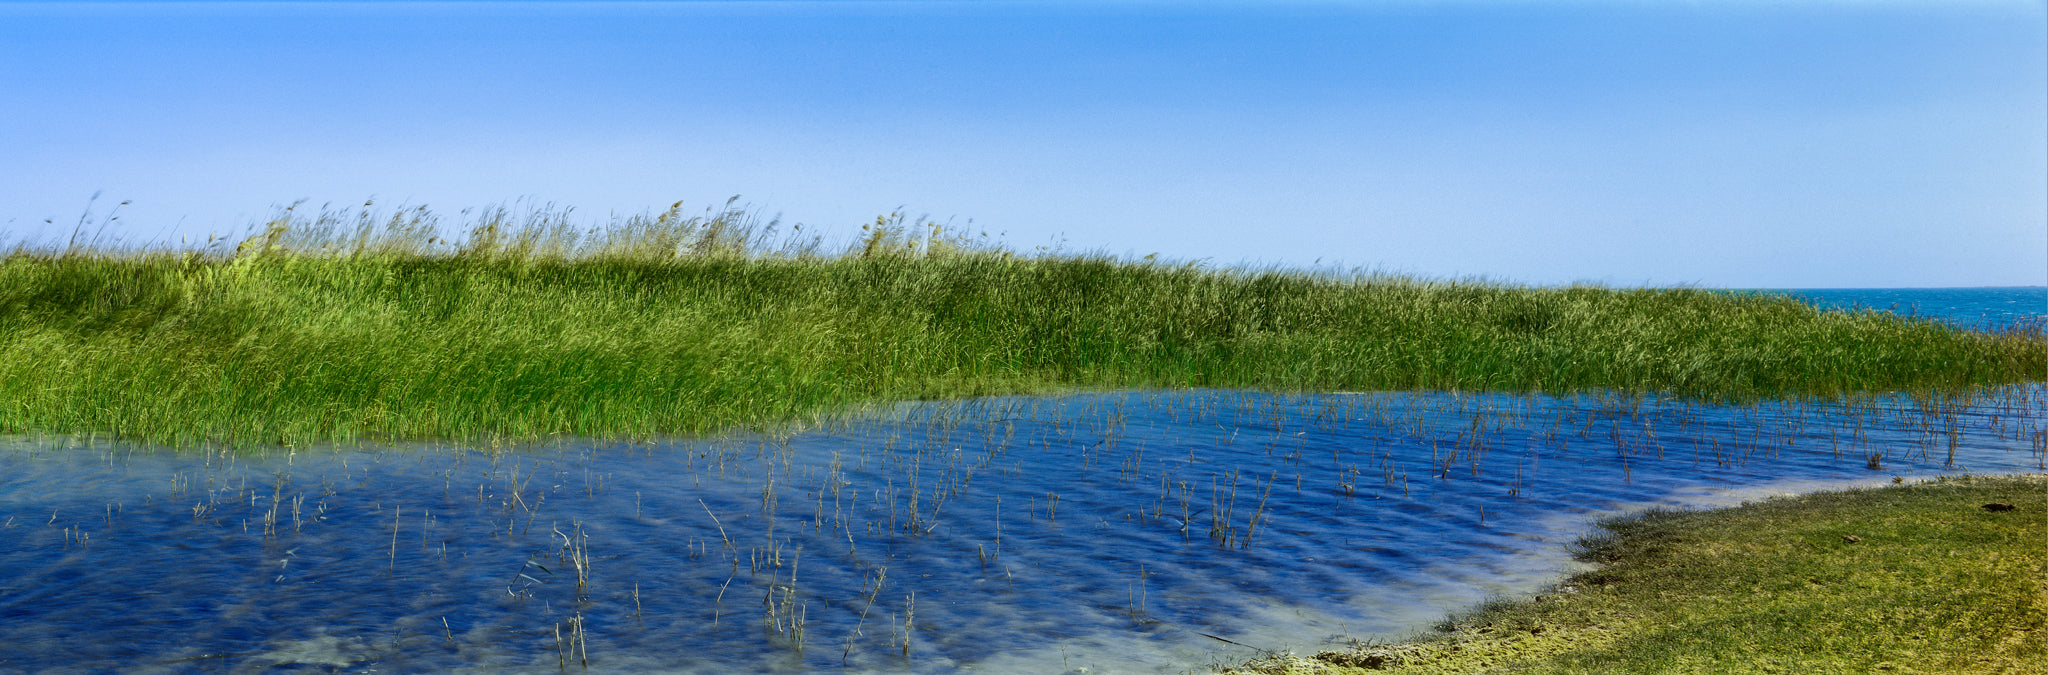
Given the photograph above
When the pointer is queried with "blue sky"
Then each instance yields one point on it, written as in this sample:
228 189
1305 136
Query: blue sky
1730 144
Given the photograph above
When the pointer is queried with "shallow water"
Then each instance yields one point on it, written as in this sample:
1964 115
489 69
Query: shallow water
1135 532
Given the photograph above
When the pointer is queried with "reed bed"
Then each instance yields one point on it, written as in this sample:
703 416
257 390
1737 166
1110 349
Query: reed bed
356 324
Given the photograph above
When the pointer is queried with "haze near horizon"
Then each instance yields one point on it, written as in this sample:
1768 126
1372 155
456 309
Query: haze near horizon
1719 144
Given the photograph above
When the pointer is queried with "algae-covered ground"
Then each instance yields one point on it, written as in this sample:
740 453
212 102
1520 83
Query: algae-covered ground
1944 576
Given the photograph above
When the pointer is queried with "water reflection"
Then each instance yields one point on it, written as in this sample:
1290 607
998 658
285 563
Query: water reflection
1130 532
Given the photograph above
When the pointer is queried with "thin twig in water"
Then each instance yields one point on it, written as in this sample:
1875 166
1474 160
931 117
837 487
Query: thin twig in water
714 521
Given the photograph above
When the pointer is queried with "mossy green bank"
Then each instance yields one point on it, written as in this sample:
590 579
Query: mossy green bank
1920 578
348 327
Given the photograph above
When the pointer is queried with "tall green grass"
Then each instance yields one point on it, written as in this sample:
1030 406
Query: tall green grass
354 325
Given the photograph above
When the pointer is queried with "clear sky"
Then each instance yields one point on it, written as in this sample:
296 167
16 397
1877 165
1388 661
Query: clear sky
1729 144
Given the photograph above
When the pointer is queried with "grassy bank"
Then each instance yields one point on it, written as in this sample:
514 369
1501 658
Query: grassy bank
353 325
1914 578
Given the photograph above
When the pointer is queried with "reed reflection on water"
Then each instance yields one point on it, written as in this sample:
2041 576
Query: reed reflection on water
1118 532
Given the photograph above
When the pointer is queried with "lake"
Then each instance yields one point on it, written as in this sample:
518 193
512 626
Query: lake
1139 532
